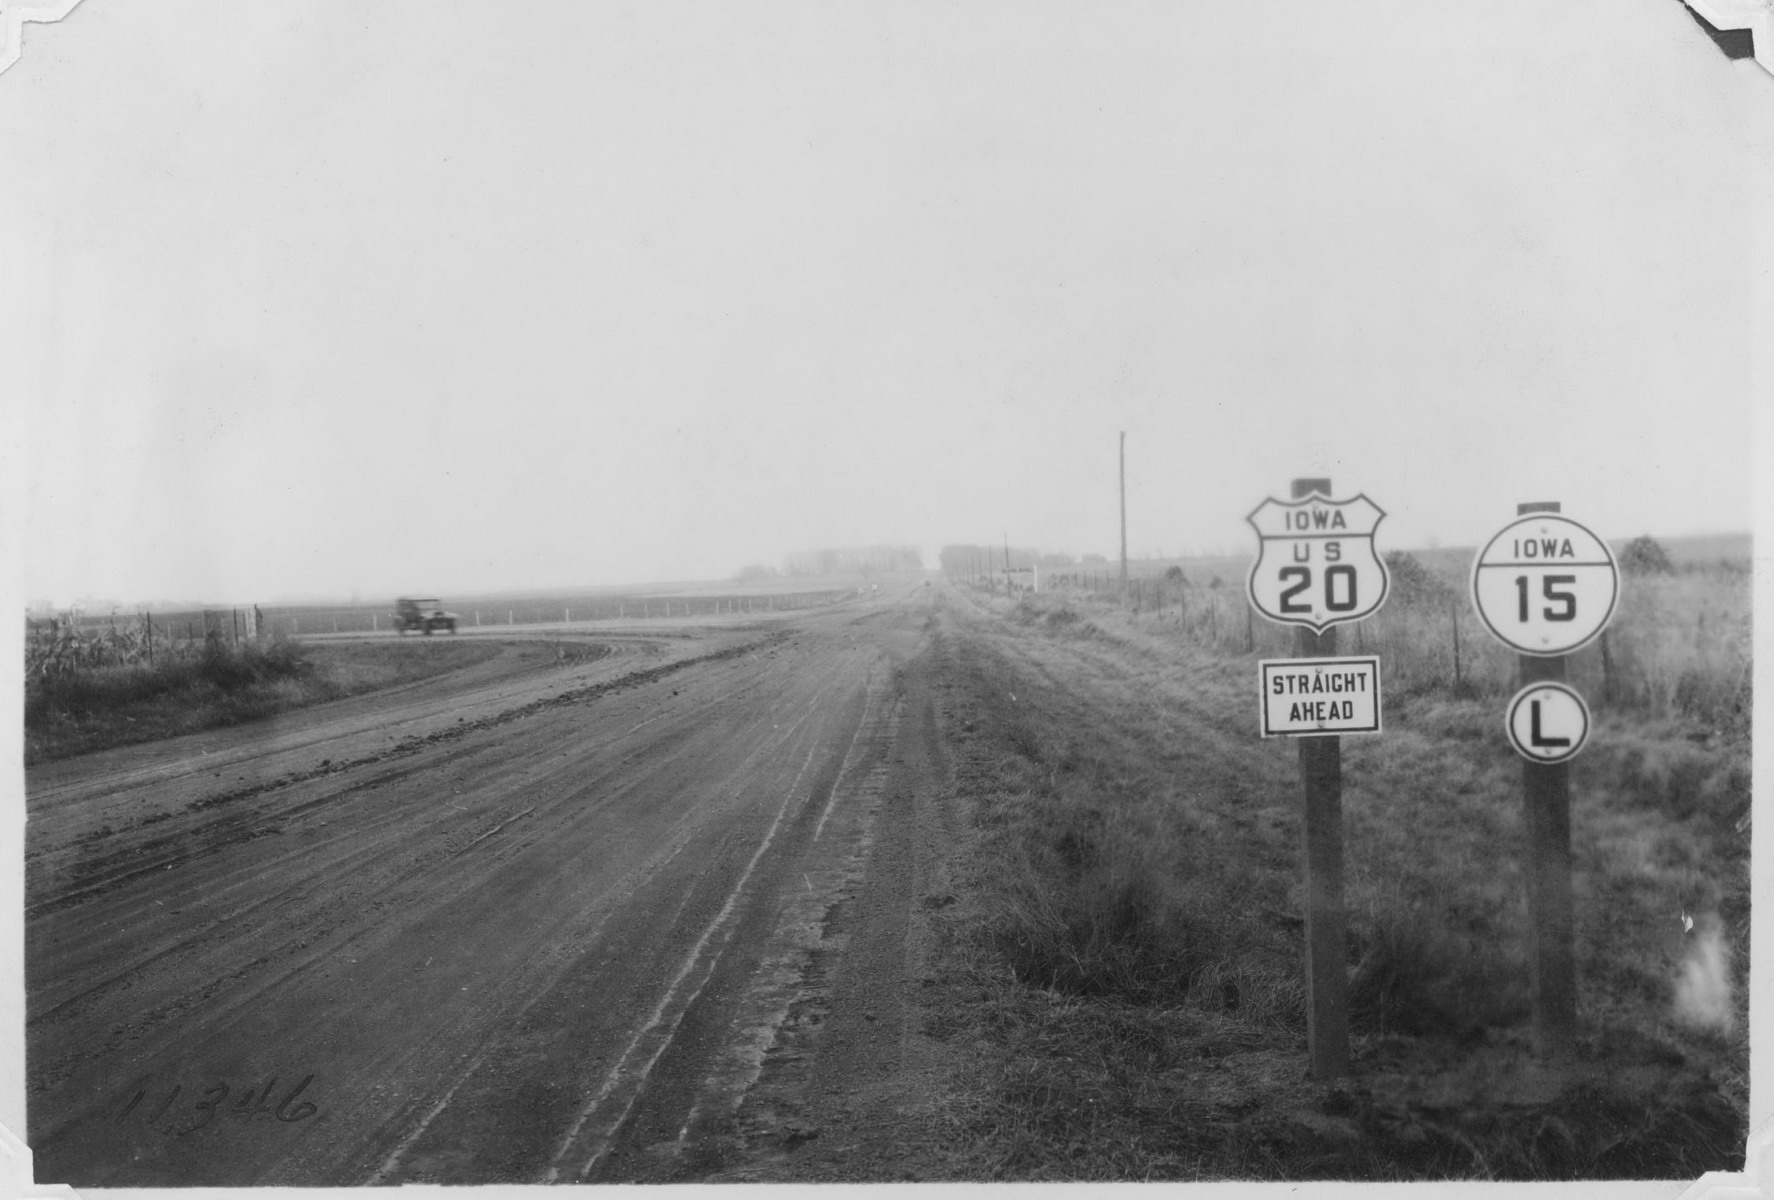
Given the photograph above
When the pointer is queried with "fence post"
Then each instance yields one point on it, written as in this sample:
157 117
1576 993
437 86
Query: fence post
1608 667
148 621
1455 609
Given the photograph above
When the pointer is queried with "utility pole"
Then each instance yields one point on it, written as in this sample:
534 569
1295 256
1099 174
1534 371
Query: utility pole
1124 511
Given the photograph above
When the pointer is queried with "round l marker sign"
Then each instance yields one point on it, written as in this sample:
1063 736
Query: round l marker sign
1547 722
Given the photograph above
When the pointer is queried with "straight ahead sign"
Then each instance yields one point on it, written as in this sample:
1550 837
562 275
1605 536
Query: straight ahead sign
1303 697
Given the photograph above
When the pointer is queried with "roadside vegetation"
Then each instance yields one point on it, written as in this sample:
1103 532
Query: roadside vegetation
1124 983
88 692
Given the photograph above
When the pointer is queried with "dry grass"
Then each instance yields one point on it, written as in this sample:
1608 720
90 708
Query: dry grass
209 686
1130 961
1677 647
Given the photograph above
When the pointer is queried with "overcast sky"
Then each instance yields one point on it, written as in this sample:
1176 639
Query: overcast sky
322 298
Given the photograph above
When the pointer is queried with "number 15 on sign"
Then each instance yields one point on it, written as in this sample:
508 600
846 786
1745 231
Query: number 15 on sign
1545 585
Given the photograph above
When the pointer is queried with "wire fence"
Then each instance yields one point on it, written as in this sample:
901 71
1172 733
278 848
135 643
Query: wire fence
315 620
1679 644
78 640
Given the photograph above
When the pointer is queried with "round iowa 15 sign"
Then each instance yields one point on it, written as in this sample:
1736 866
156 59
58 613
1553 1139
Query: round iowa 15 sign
1316 564
1545 585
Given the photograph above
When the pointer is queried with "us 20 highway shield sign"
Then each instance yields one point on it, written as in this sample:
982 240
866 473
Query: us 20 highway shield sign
1316 564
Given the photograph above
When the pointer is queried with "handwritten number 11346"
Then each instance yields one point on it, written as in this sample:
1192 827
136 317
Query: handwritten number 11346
214 1099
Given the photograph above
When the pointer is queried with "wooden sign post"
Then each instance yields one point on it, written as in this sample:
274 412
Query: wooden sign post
1327 981
1321 773
1546 585
1546 816
1315 569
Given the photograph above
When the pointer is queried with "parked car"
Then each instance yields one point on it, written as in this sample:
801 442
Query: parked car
427 616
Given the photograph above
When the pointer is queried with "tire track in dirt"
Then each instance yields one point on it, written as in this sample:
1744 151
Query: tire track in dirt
500 870
425 1145
391 834
563 830
407 747
850 1070
790 972
130 767
843 932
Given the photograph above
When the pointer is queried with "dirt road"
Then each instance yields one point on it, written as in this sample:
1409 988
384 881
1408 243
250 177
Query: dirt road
539 920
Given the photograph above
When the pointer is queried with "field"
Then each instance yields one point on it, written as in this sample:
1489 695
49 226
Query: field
133 678
931 883
192 688
1679 644
489 610
114 692
664 601
1130 925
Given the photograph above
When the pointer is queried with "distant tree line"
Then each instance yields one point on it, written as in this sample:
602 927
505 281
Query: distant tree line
1415 584
1645 556
854 560
965 559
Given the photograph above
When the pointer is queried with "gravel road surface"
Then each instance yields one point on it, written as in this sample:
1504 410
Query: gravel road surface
550 918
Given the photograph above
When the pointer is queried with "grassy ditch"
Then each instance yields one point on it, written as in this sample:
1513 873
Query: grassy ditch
1678 646
1126 976
213 685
